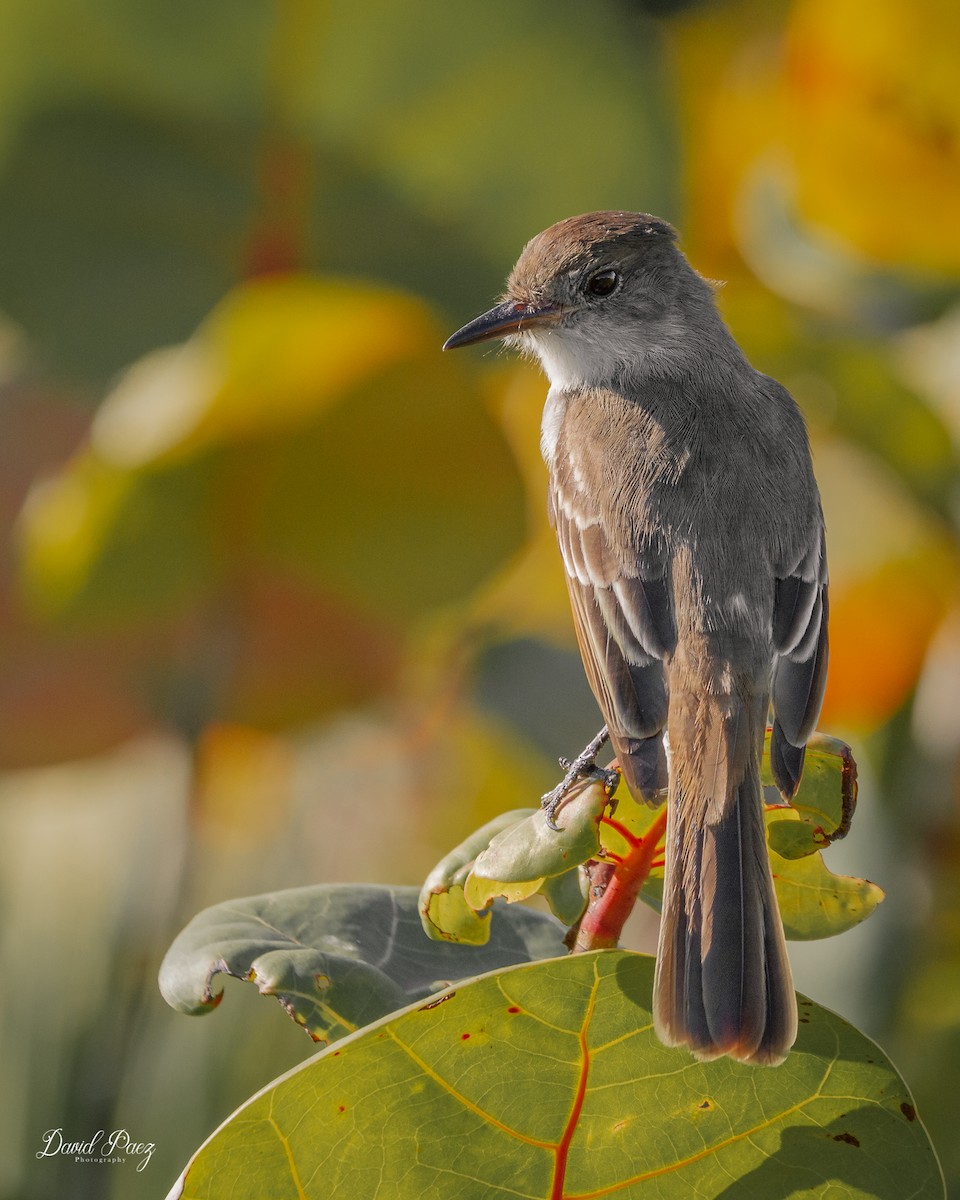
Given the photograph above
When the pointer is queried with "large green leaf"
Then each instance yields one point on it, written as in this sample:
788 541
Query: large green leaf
336 956
548 1081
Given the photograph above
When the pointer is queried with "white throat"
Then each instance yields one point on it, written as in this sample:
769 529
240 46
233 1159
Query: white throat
569 361
603 355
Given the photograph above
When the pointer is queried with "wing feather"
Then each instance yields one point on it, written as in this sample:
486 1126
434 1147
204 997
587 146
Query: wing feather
624 628
800 621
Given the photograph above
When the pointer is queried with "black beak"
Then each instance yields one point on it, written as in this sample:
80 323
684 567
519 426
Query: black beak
510 317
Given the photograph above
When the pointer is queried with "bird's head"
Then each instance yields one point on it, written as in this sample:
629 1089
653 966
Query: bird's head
590 297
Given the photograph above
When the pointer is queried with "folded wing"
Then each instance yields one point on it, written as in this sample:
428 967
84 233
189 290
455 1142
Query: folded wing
624 622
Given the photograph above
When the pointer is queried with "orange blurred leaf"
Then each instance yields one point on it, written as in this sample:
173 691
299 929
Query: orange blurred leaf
873 124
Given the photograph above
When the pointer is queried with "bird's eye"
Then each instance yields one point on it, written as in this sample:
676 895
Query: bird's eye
603 283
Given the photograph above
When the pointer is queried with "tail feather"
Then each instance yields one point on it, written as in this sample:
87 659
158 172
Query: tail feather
786 761
723 981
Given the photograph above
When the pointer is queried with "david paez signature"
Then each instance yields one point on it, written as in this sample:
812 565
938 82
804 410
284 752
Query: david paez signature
103 1147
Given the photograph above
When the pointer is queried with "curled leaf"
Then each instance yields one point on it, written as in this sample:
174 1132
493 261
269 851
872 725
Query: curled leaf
566 894
530 849
336 957
825 801
444 913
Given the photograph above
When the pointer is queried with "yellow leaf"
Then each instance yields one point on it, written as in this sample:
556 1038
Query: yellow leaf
63 523
850 106
814 902
872 112
269 357
449 918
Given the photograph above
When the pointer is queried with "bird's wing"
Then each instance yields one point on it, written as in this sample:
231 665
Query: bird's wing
623 616
800 671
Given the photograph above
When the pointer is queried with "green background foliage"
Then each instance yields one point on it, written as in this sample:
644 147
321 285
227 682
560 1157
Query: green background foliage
278 601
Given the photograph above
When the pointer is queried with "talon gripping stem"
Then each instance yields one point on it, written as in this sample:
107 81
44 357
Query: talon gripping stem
584 766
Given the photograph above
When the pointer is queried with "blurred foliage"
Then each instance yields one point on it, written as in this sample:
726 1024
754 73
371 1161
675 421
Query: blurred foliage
277 507
273 561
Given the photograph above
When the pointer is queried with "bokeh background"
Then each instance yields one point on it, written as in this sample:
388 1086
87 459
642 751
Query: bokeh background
279 603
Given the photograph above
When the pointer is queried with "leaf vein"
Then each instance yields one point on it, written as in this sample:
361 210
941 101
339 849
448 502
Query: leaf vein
457 1095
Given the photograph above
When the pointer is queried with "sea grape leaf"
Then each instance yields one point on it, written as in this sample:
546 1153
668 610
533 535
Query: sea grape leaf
547 1080
814 902
513 857
826 799
519 859
336 956
566 894
444 913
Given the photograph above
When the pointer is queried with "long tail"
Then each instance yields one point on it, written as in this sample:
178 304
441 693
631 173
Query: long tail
723 981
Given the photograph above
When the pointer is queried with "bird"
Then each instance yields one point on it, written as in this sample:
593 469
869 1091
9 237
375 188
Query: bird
682 492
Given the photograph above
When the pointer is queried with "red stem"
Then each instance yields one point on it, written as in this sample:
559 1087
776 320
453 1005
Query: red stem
615 892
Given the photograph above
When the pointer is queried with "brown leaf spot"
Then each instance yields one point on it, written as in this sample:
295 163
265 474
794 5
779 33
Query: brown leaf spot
437 1002
908 1111
846 1137
513 1008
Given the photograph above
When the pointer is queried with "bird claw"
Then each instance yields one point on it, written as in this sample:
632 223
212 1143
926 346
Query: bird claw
584 766
550 802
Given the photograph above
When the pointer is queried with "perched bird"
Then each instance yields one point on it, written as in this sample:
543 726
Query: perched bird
688 517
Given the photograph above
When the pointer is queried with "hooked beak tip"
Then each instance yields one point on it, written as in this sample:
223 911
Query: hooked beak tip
512 316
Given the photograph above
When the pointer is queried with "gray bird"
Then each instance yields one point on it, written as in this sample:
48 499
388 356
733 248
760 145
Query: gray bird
688 517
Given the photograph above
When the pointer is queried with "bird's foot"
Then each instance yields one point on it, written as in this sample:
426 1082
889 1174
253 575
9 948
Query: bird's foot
584 766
